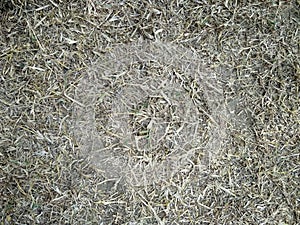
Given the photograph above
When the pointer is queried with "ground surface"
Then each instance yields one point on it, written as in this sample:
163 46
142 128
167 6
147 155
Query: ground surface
49 47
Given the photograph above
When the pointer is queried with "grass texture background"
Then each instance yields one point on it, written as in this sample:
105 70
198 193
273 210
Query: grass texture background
48 47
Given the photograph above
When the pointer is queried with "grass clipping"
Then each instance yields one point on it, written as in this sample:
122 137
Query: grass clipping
147 111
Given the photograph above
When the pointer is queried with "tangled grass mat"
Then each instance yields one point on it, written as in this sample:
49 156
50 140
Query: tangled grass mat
149 112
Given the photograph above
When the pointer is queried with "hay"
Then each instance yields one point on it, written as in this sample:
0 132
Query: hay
47 51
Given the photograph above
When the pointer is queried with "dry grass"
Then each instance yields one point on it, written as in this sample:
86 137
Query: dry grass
137 114
47 47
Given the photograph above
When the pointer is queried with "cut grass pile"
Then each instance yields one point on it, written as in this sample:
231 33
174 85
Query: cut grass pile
48 47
